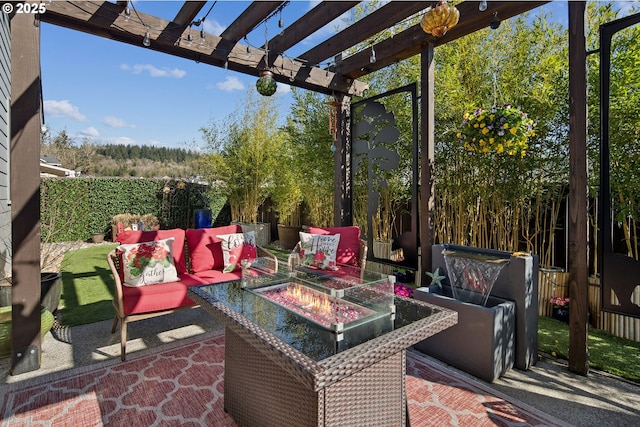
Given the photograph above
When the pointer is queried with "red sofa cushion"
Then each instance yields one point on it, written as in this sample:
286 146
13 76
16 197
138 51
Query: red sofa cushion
217 276
145 299
349 245
205 249
178 235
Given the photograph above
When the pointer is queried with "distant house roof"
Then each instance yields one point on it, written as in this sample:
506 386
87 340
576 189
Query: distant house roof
50 166
50 160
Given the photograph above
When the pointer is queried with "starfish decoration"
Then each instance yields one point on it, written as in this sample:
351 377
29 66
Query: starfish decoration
436 278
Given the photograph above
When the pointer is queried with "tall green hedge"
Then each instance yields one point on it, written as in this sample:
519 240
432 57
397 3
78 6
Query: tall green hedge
72 209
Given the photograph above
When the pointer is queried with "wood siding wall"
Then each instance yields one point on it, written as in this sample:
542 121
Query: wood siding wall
5 102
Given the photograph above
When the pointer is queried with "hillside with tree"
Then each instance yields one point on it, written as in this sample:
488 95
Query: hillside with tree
119 160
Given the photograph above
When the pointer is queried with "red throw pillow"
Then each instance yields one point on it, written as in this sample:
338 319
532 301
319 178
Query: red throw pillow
349 245
236 247
205 248
178 234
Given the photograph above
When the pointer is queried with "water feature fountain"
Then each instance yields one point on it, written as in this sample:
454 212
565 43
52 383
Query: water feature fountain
495 295
472 275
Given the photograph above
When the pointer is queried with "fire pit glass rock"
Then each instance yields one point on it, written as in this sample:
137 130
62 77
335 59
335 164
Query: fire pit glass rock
341 308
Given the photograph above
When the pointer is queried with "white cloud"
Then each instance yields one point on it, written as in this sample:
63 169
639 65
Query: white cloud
214 27
154 71
91 132
283 89
230 84
124 140
63 109
115 122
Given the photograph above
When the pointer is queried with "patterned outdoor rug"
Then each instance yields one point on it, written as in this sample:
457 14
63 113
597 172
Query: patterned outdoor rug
182 384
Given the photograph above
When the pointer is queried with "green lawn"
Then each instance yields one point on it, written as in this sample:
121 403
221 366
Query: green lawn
87 286
607 352
88 291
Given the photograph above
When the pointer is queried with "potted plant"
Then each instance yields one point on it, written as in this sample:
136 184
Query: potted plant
560 308
286 196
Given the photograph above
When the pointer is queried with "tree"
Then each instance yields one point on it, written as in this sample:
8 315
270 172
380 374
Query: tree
241 155
491 201
308 130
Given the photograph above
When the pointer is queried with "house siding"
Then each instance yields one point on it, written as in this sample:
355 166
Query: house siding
5 145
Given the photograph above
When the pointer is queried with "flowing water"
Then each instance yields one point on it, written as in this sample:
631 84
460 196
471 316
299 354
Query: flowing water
472 276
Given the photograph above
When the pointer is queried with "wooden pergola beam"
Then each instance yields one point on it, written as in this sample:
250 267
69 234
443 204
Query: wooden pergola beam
105 19
308 24
188 12
248 20
377 21
408 43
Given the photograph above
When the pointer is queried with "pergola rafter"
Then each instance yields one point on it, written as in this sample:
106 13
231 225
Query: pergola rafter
106 19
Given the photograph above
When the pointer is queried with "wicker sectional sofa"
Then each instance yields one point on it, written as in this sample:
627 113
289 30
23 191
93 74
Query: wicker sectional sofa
198 259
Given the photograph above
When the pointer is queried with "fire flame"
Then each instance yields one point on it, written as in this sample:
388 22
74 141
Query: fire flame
309 299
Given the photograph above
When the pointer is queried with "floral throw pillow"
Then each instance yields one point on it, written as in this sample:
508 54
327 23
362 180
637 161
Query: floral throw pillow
148 263
236 247
319 250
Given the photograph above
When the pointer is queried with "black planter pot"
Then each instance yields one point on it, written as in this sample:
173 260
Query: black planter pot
561 314
50 291
51 288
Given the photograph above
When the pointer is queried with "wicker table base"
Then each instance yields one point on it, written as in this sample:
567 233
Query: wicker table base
258 392
270 383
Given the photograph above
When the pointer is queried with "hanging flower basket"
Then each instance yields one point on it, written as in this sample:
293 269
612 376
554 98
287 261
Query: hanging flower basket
502 129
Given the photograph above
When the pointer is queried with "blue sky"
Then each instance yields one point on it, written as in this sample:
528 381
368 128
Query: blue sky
111 92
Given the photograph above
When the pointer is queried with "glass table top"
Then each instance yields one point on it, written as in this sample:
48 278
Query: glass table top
356 306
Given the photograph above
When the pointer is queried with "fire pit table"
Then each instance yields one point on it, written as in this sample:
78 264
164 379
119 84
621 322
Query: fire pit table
316 348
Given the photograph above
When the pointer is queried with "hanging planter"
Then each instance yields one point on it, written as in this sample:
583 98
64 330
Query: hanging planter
439 19
502 129
266 85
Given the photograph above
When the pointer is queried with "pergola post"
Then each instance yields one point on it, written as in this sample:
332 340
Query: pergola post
427 112
26 126
342 214
577 229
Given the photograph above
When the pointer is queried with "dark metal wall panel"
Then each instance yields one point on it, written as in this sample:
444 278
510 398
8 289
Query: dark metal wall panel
619 273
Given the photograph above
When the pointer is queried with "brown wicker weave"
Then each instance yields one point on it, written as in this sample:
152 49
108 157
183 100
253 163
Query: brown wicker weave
269 383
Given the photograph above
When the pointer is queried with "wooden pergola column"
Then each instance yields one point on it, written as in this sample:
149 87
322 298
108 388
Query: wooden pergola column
26 126
578 189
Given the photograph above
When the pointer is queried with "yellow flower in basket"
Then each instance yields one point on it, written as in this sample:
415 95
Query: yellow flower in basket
499 129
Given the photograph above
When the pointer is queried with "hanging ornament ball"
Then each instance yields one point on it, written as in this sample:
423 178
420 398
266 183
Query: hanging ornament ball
333 148
266 85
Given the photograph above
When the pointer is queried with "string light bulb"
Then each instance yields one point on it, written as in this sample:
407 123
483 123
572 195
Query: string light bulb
226 65
495 22
127 13
372 57
147 39
482 6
